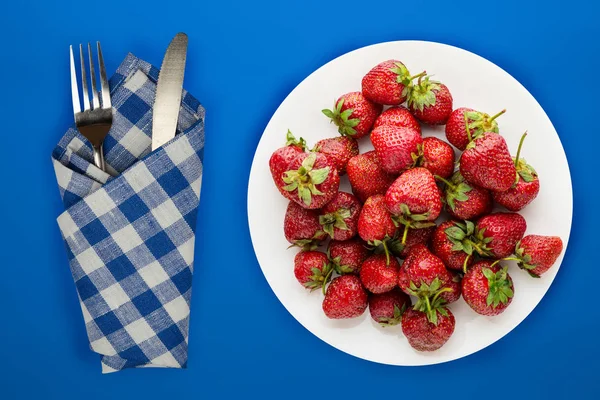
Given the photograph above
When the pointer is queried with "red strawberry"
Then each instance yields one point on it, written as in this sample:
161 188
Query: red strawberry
301 227
435 155
366 176
375 224
423 274
430 101
464 200
451 241
538 253
339 150
345 298
378 274
424 335
487 163
387 308
487 288
354 114
413 237
396 147
414 199
387 83
497 234
453 294
312 269
478 122
339 217
311 180
280 159
524 190
397 116
347 257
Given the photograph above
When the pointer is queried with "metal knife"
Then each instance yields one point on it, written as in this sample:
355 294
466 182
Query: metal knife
168 92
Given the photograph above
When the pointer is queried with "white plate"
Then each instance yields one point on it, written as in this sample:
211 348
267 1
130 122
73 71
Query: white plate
474 82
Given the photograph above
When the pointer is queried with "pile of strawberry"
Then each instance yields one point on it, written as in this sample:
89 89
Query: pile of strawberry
399 191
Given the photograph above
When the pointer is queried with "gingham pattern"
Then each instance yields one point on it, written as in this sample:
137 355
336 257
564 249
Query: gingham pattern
130 239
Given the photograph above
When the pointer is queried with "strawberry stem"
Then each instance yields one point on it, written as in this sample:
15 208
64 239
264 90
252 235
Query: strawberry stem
519 149
497 115
404 234
387 252
447 182
465 263
325 280
446 289
428 305
505 259
418 76
467 128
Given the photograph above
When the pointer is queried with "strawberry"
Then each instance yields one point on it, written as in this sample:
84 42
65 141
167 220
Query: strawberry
497 234
536 253
311 180
301 227
379 274
396 147
312 269
435 155
414 199
397 116
339 150
345 298
280 159
387 83
387 308
347 256
375 224
354 114
525 189
477 122
451 243
464 200
487 163
430 101
424 335
413 237
487 288
339 217
454 285
423 274
366 176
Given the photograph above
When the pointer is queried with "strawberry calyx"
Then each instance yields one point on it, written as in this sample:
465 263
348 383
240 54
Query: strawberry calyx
417 157
524 170
429 300
499 286
464 237
308 244
305 179
477 123
319 278
336 264
410 220
382 246
524 260
342 119
290 140
423 94
335 219
395 320
403 77
456 189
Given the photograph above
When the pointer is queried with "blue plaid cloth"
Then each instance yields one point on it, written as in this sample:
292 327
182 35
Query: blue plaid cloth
130 238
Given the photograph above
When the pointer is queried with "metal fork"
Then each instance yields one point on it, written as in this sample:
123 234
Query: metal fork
94 121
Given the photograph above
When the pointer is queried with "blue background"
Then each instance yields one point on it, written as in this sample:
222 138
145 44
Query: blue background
244 58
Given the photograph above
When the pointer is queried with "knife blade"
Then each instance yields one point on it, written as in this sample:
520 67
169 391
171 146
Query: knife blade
168 92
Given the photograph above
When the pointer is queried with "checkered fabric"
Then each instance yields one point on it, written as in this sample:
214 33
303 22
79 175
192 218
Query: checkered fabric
130 238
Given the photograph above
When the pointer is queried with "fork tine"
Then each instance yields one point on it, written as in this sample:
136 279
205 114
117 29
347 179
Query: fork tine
74 89
95 101
103 80
86 96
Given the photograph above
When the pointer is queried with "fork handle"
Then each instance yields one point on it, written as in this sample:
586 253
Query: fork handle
99 157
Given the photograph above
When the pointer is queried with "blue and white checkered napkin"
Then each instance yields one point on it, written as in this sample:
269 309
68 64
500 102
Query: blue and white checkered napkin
130 238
